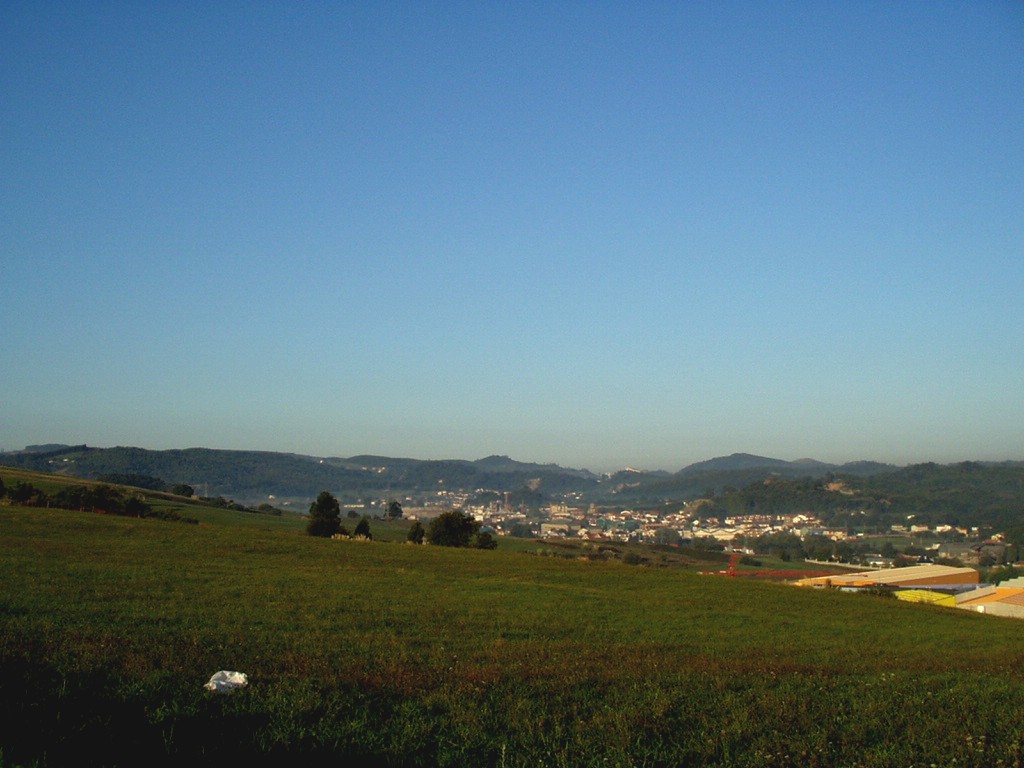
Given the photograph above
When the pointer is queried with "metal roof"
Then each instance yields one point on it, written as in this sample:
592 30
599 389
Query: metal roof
897 576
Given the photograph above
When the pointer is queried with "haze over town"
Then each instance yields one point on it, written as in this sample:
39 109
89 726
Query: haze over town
593 235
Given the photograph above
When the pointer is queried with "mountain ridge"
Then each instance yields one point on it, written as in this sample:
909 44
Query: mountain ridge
493 462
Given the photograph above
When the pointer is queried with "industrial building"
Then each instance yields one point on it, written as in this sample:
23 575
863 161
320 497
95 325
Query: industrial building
1007 599
935 585
912 576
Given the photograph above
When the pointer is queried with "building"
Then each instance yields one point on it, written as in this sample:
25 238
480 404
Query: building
1007 599
945 595
915 575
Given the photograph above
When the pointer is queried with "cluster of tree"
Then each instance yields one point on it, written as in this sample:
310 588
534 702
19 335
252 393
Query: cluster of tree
458 529
449 529
522 531
101 498
325 519
999 574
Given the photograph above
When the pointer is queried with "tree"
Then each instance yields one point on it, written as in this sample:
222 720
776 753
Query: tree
363 528
393 511
416 533
136 506
485 541
27 495
1002 573
182 489
667 536
521 531
324 516
104 498
452 529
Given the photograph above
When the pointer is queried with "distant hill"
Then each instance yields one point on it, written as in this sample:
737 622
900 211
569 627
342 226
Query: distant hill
732 462
970 492
252 475
721 474
740 462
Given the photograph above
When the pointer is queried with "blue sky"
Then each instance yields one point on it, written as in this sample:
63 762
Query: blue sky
598 234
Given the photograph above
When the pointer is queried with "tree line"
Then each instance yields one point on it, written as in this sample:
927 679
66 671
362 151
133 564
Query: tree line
100 498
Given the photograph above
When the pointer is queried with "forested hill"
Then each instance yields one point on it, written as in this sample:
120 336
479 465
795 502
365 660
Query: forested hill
706 479
965 494
256 474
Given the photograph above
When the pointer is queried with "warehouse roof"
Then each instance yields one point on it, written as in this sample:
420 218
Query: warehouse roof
895 577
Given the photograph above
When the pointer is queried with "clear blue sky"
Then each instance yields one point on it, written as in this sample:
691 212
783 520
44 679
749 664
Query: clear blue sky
598 234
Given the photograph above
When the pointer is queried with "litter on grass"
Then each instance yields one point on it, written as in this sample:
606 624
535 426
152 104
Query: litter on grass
226 682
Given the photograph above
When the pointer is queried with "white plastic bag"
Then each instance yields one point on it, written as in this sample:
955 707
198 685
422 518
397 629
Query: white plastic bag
226 682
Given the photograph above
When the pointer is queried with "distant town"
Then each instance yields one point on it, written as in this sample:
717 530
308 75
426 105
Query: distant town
900 545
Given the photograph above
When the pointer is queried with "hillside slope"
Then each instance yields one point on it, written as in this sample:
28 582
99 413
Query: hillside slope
408 655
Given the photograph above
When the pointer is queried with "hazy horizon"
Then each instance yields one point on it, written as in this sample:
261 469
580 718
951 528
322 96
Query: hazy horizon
596 235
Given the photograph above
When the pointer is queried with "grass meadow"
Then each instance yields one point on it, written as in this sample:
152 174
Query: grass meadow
384 653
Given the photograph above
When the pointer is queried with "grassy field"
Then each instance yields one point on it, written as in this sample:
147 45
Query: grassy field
394 654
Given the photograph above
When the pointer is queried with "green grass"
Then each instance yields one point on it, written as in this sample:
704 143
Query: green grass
396 654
